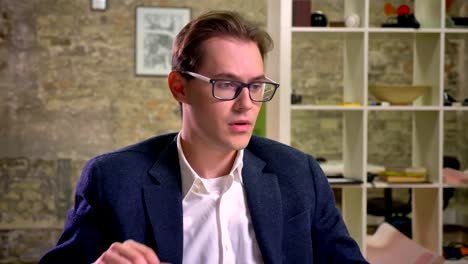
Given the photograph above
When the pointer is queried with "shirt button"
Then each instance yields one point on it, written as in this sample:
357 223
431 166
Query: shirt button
197 189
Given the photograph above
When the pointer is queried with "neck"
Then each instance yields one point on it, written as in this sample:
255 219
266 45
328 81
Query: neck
207 162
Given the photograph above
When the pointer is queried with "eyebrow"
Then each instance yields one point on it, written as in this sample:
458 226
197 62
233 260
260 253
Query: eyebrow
234 77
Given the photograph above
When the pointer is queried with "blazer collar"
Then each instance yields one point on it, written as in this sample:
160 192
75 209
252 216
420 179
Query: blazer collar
164 206
163 201
264 202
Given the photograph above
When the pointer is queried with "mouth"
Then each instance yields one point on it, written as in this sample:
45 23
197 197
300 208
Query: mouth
240 125
240 122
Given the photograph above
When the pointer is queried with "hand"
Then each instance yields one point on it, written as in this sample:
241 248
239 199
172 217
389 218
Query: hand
128 252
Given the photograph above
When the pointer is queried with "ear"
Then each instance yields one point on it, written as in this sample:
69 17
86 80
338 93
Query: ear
177 86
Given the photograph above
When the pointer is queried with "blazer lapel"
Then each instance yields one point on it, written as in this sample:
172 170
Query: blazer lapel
164 205
264 202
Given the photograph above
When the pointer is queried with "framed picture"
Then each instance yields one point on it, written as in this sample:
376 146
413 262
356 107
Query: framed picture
98 5
156 29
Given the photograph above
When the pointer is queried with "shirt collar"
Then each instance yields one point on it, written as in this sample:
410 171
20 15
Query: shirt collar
189 176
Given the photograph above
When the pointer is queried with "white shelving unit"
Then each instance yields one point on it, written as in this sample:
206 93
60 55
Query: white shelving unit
427 112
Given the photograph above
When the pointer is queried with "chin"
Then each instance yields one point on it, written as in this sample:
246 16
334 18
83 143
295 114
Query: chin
240 142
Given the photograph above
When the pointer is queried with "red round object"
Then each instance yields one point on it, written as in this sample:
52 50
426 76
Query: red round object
403 10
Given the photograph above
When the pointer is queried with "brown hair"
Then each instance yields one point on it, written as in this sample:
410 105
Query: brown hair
188 45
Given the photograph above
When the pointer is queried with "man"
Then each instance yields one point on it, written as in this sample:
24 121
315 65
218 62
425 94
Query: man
211 193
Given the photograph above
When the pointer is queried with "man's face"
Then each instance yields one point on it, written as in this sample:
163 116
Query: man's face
223 125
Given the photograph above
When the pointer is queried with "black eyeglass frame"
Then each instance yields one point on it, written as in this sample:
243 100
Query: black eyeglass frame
238 89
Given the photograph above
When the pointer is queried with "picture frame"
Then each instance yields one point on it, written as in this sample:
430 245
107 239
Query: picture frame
156 29
98 5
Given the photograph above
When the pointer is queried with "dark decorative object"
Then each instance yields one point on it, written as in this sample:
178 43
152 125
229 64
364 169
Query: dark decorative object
404 21
448 99
296 98
460 21
318 19
408 20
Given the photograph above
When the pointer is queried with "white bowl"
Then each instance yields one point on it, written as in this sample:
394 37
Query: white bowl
398 94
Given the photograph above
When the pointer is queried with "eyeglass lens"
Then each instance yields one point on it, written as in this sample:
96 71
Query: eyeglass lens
259 91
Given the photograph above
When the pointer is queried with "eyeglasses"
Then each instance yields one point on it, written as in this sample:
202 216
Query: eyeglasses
226 90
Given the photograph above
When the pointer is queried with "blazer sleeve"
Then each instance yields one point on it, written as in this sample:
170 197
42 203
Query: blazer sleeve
83 239
331 240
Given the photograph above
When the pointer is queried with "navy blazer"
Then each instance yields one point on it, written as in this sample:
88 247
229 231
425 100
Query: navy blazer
135 193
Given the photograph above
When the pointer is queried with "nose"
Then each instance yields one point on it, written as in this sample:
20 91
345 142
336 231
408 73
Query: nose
243 101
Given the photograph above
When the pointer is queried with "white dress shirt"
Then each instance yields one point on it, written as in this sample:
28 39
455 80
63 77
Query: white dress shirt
217 224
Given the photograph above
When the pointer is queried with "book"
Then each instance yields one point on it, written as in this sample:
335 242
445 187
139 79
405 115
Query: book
403 175
301 13
404 179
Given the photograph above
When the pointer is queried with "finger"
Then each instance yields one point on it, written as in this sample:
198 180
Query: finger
131 254
112 256
144 250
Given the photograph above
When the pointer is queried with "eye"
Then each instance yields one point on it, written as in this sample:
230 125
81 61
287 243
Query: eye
256 86
225 85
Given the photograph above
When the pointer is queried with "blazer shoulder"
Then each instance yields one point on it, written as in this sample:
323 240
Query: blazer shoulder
279 156
271 149
131 160
150 144
150 147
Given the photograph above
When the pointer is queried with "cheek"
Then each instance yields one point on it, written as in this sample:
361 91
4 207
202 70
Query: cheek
208 112
198 101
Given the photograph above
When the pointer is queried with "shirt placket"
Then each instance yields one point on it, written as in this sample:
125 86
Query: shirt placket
223 207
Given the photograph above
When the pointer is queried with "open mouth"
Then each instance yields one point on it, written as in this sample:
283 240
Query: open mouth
240 126
241 123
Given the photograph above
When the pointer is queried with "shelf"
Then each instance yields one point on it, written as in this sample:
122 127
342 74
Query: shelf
455 108
455 216
456 30
428 14
414 49
345 50
374 108
401 185
328 65
327 107
403 108
379 30
459 186
455 152
328 29
404 30
344 186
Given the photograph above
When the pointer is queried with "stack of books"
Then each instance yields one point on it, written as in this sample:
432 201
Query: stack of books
403 175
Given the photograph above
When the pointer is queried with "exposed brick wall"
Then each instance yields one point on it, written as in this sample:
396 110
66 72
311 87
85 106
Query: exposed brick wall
68 91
